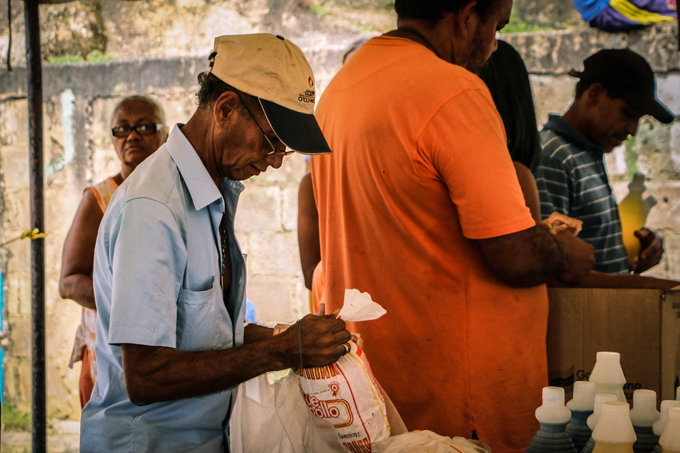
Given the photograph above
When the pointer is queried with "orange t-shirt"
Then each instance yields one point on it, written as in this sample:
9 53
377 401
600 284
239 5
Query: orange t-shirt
420 168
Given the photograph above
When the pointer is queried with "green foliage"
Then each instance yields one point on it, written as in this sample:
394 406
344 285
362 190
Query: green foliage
319 10
66 59
15 419
517 25
94 57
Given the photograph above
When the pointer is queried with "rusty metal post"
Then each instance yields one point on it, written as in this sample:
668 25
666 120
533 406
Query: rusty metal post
35 132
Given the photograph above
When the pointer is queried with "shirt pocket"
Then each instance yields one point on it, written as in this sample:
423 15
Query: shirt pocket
196 318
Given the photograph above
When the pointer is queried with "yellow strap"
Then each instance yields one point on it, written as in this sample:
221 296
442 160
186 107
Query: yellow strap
28 234
632 12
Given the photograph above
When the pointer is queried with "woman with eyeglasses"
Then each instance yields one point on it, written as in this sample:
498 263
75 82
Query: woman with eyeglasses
138 130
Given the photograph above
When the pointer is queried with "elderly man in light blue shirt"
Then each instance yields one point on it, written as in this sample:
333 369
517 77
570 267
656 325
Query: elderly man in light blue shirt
169 277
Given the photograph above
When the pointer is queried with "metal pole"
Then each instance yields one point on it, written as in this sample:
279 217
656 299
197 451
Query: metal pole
35 131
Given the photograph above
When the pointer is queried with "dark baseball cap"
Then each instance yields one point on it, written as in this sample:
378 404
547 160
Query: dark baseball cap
629 74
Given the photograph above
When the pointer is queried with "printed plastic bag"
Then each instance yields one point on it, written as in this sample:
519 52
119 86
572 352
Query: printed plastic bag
429 442
346 393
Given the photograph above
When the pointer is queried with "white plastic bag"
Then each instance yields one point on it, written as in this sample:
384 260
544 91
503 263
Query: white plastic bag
273 418
429 442
254 425
346 393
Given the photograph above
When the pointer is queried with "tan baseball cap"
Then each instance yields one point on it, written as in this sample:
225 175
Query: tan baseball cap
275 71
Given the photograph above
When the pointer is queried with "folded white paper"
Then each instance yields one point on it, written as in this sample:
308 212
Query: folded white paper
359 306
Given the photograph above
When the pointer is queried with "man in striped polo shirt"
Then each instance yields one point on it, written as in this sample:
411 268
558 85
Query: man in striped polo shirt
615 89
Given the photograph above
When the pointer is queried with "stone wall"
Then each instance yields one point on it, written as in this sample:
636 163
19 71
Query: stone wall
162 28
78 103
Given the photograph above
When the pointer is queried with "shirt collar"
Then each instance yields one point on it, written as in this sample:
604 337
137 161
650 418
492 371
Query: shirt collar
558 125
201 187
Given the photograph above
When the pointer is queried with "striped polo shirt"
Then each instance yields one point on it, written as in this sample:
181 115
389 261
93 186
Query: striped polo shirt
572 180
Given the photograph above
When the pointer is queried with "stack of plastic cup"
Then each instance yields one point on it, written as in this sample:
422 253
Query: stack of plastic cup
670 439
660 424
553 417
608 376
581 407
614 432
593 419
643 415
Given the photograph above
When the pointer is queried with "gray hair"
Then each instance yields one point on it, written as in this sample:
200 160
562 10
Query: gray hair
157 109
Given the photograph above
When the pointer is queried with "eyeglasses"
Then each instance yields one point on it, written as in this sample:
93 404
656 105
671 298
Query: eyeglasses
141 129
274 152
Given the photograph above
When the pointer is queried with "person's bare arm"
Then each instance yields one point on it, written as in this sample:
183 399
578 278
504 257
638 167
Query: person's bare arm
529 190
254 333
154 374
308 230
600 280
75 282
533 256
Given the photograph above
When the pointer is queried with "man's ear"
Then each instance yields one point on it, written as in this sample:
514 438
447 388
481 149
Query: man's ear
225 106
593 93
164 135
466 20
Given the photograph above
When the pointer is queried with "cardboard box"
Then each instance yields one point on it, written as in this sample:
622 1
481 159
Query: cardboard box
643 325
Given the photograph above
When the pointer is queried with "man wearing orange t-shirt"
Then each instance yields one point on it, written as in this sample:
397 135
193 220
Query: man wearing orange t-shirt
419 205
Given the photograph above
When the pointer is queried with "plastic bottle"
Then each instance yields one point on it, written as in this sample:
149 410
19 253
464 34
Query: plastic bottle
608 375
633 211
643 415
553 417
592 420
614 432
677 394
660 424
581 407
670 438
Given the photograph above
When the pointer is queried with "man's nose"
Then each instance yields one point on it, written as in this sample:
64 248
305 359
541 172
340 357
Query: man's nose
275 161
134 136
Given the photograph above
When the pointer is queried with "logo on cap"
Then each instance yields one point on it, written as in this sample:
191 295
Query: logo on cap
311 81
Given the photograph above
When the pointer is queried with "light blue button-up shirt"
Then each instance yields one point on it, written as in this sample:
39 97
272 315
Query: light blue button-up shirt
157 283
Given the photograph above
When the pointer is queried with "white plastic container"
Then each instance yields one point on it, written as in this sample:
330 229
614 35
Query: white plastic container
608 376
553 409
581 407
644 411
660 424
614 430
599 400
643 415
584 397
553 417
670 439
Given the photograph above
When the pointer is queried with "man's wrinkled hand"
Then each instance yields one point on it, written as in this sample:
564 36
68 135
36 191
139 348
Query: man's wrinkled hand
581 257
651 250
319 338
